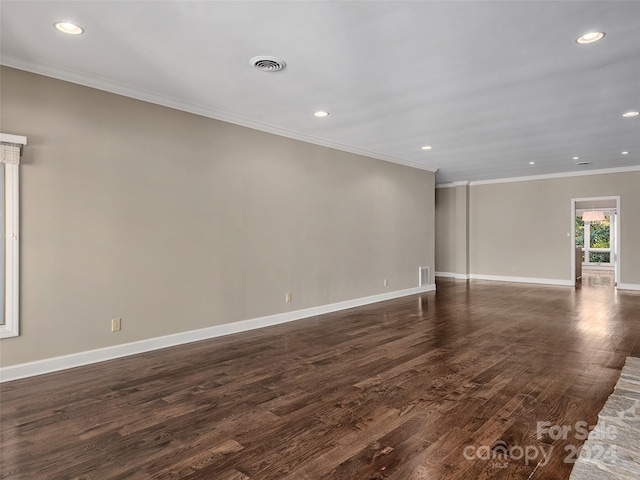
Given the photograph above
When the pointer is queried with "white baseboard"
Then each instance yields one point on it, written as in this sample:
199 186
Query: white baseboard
445 274
540 281
457 276
503 278
49 365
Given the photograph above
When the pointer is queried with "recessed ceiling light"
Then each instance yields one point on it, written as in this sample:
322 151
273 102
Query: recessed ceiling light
70 28
532 163
576 158
624 153
632 113
590 37
427 147
321 114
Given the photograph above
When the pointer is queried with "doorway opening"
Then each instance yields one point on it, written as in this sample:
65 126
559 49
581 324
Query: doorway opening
595 236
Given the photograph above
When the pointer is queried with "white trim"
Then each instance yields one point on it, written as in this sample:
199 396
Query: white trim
597 199
504 278
629 286
601 171
10 150
166 101
536 280
11 327
64 362
616 236
457 276
445 274
461 183
597 267
15 139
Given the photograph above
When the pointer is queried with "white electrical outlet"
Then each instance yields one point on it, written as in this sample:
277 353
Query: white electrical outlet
116 324
287 297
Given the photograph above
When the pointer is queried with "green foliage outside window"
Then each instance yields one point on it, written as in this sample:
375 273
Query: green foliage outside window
579 232
599 257
599 234
599 237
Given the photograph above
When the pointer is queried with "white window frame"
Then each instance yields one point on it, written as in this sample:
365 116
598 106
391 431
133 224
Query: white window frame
616 239
11 148
587 249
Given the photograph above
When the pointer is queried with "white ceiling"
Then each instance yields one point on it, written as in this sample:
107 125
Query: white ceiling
490 85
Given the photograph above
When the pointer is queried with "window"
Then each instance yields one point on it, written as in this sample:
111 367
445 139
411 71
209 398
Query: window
10 150
595 240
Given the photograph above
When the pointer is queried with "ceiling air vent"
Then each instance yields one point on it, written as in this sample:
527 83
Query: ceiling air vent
268 64
583 163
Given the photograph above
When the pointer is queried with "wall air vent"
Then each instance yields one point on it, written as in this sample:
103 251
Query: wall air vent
424 276
268 64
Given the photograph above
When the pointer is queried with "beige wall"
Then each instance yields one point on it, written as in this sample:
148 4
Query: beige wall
176 222
462 230
446 230
521 228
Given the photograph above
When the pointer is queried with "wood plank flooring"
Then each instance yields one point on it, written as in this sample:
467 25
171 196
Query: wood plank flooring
433 386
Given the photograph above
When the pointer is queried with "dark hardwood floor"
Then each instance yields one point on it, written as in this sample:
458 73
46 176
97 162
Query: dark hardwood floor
434 386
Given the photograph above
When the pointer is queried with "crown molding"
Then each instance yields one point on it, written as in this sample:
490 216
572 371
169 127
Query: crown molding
462 183
600 171
79 78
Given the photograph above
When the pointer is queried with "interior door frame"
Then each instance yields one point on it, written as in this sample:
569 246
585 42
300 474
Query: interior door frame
616 240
